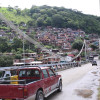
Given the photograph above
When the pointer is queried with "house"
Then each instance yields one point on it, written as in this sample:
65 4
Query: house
69 57
27 60
40 57
51 60
31 55
35 63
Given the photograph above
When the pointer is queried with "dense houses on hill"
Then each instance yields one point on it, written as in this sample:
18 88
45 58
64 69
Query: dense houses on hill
57 37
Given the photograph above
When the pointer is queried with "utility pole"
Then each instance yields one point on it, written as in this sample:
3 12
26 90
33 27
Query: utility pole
99 43
23 51
85 50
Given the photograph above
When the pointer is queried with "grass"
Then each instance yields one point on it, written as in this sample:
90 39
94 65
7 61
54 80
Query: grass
99 93
12 16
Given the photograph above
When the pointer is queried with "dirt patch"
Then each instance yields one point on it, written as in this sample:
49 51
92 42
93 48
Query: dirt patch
86 93
94 72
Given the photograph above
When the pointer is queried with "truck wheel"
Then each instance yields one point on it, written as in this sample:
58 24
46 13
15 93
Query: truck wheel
60 86
39 95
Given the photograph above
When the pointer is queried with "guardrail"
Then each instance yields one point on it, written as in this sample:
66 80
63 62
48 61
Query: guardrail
56 67
63 66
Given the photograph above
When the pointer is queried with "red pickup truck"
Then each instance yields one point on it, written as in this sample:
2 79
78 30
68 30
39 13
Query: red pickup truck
34 83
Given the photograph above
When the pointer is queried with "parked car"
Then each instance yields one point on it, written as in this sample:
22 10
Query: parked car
33 83
94 63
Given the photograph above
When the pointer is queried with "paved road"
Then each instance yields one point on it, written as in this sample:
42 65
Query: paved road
71 78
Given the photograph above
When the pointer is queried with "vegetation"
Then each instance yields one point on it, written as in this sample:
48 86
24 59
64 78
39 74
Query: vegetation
99 93
16 46
99 56
77 44
18 56
6 61
94 47
41 16
12 15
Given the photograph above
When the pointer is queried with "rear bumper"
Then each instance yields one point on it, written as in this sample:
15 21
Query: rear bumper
29 98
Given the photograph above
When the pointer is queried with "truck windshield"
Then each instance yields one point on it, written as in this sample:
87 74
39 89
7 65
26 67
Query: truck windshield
2 74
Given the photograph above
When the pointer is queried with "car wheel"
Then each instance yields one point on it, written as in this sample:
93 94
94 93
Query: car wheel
60 86
39 95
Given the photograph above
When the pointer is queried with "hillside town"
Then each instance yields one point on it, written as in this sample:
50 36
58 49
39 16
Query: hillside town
59 41
45 50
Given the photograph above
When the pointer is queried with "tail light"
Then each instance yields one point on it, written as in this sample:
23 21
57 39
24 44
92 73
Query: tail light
25 92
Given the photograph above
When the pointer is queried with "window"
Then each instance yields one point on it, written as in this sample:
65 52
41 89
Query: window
13 72
36 73
45 73
2 74
22 73
29 73
7 75
51 73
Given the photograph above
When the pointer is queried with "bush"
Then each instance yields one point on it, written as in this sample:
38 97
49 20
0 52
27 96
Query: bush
6 61
18 56
99 56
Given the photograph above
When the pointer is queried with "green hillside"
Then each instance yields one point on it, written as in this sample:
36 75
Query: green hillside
13 16
42 16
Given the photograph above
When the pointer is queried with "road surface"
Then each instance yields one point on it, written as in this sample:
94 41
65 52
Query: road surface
79 83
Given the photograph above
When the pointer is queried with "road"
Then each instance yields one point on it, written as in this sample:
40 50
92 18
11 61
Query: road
74 79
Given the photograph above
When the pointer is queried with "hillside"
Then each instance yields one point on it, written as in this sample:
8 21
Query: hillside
11 14
42 16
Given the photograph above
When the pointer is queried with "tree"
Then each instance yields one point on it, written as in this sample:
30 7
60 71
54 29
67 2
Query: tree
6 61
40 22
94 47
77 45
4 45
17 43
18 56
57 20
10 8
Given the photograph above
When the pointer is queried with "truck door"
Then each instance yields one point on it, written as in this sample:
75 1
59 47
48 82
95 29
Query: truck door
53 79
47 85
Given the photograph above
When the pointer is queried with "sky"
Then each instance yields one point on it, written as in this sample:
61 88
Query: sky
91 7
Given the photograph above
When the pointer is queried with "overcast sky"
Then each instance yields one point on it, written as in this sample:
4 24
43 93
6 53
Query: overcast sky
86 6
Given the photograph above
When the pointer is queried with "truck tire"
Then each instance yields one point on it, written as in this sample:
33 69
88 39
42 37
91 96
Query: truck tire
60 86
39 95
